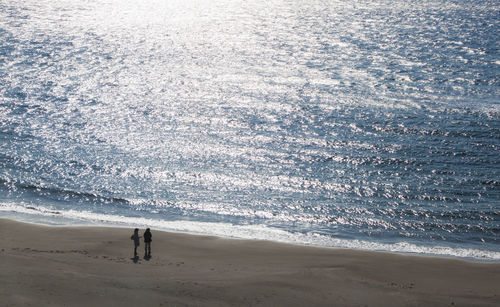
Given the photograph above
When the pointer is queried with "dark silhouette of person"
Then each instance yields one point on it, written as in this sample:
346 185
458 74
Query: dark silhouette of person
147 243
136 238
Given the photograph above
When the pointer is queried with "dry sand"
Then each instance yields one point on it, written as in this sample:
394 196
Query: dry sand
91 266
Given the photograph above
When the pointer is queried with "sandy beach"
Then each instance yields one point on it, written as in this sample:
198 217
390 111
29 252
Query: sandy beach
94 266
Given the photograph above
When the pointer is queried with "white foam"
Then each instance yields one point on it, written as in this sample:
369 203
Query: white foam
253 232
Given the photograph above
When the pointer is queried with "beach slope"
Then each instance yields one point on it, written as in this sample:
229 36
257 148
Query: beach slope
94 266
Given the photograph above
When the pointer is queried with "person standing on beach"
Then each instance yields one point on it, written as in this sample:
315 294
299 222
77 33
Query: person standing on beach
147 243
136 238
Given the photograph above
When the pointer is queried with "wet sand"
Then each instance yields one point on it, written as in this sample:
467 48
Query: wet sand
94 266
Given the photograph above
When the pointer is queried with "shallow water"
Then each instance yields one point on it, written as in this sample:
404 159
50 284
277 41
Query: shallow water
365 124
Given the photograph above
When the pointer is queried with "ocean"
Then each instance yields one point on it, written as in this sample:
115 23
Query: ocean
345 123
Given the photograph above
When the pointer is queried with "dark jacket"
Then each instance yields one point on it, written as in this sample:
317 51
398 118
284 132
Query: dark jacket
148 236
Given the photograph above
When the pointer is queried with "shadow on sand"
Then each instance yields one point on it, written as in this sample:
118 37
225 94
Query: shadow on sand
136 259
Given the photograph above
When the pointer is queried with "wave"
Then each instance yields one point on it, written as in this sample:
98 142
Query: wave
65 193
421 222
226 230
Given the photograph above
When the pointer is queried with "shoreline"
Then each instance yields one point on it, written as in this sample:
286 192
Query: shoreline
407 248
77 266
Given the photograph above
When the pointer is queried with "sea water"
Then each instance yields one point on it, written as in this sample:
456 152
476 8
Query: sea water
344 123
